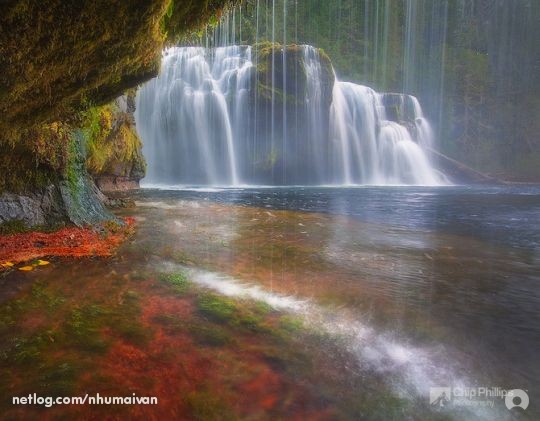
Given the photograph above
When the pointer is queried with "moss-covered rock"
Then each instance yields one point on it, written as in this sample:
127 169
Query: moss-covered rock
61 194
58 58
290 109
56 54
82 201
115 158
292 88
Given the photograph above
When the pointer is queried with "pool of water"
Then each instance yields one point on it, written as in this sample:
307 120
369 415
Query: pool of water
397 290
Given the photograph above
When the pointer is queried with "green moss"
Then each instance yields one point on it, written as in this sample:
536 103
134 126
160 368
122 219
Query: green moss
26 350
134 332
125 321
97 127
36 160
44 298
178 281
58 57
181 17
39 298
261 308
113 145
13 227
82 206
291 324
216 308
83 329
246 315
267 88
270 84
17 226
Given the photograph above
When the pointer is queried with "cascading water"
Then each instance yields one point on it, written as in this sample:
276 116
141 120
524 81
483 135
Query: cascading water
185 120
204 121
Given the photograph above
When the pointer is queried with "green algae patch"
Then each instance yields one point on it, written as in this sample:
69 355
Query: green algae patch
83 329
243 314
178 281
217 308
291 324
125 321
26 350
59 379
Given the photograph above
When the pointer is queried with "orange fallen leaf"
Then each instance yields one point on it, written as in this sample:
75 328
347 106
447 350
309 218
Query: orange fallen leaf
6 264
26 268
42 262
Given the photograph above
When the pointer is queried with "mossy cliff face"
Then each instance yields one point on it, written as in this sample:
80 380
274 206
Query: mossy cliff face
54 171
58 57
115 158
60 193
56 53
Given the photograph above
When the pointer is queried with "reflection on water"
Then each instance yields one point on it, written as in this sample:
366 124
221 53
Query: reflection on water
457 265
396 289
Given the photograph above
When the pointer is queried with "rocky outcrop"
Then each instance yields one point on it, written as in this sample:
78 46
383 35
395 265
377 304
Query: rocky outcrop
59 62
290 109
292 88
116 161
73 198
32 209
56 56
104 154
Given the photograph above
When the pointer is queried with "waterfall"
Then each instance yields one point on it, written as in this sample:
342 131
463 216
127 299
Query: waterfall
203 121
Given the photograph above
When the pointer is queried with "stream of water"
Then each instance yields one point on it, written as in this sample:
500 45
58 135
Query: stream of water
426 286
345 303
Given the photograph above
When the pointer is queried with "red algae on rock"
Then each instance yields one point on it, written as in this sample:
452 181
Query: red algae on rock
66 242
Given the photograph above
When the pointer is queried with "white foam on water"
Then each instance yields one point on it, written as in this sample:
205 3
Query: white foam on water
409 369
379 351
232 288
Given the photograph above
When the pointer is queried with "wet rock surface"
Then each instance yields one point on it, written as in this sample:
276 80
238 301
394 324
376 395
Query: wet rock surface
34 208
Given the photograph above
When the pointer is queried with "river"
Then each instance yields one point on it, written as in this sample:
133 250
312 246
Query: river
397 290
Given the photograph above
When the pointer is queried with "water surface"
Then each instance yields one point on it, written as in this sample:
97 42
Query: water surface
339 303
